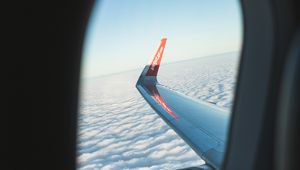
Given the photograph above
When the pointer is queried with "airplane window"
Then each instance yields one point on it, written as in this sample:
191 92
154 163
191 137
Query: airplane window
136 114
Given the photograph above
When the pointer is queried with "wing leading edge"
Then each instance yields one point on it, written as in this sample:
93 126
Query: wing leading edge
202 125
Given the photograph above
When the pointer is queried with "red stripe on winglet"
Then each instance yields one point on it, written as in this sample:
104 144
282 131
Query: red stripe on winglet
153 69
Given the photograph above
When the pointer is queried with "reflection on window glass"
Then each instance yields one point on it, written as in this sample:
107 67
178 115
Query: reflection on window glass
117 128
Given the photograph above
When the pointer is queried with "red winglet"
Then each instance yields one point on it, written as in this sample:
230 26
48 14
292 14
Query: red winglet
153 69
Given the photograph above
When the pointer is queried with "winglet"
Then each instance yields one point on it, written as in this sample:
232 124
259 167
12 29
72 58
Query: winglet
154 66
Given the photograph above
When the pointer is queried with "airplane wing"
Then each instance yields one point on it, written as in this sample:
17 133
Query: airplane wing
201 125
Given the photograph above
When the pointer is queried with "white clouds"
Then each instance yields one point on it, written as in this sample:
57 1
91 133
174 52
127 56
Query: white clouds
118 130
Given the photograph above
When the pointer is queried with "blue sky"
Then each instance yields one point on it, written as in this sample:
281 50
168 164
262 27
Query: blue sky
124 34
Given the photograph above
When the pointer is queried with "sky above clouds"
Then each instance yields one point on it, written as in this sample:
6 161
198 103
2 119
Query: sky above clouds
124 35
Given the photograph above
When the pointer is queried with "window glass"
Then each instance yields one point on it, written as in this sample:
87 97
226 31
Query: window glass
117 129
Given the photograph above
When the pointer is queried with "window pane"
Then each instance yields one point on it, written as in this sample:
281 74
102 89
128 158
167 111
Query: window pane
117 127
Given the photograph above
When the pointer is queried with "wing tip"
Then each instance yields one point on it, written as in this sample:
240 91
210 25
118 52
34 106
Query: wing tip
152 70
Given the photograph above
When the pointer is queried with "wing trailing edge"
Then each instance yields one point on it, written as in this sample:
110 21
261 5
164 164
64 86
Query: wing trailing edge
202 125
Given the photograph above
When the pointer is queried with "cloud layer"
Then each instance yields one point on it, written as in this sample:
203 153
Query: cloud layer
118 130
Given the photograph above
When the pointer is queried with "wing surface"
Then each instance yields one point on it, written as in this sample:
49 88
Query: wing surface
202 125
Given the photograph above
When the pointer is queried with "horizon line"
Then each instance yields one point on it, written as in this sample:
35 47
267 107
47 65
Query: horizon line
172 62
